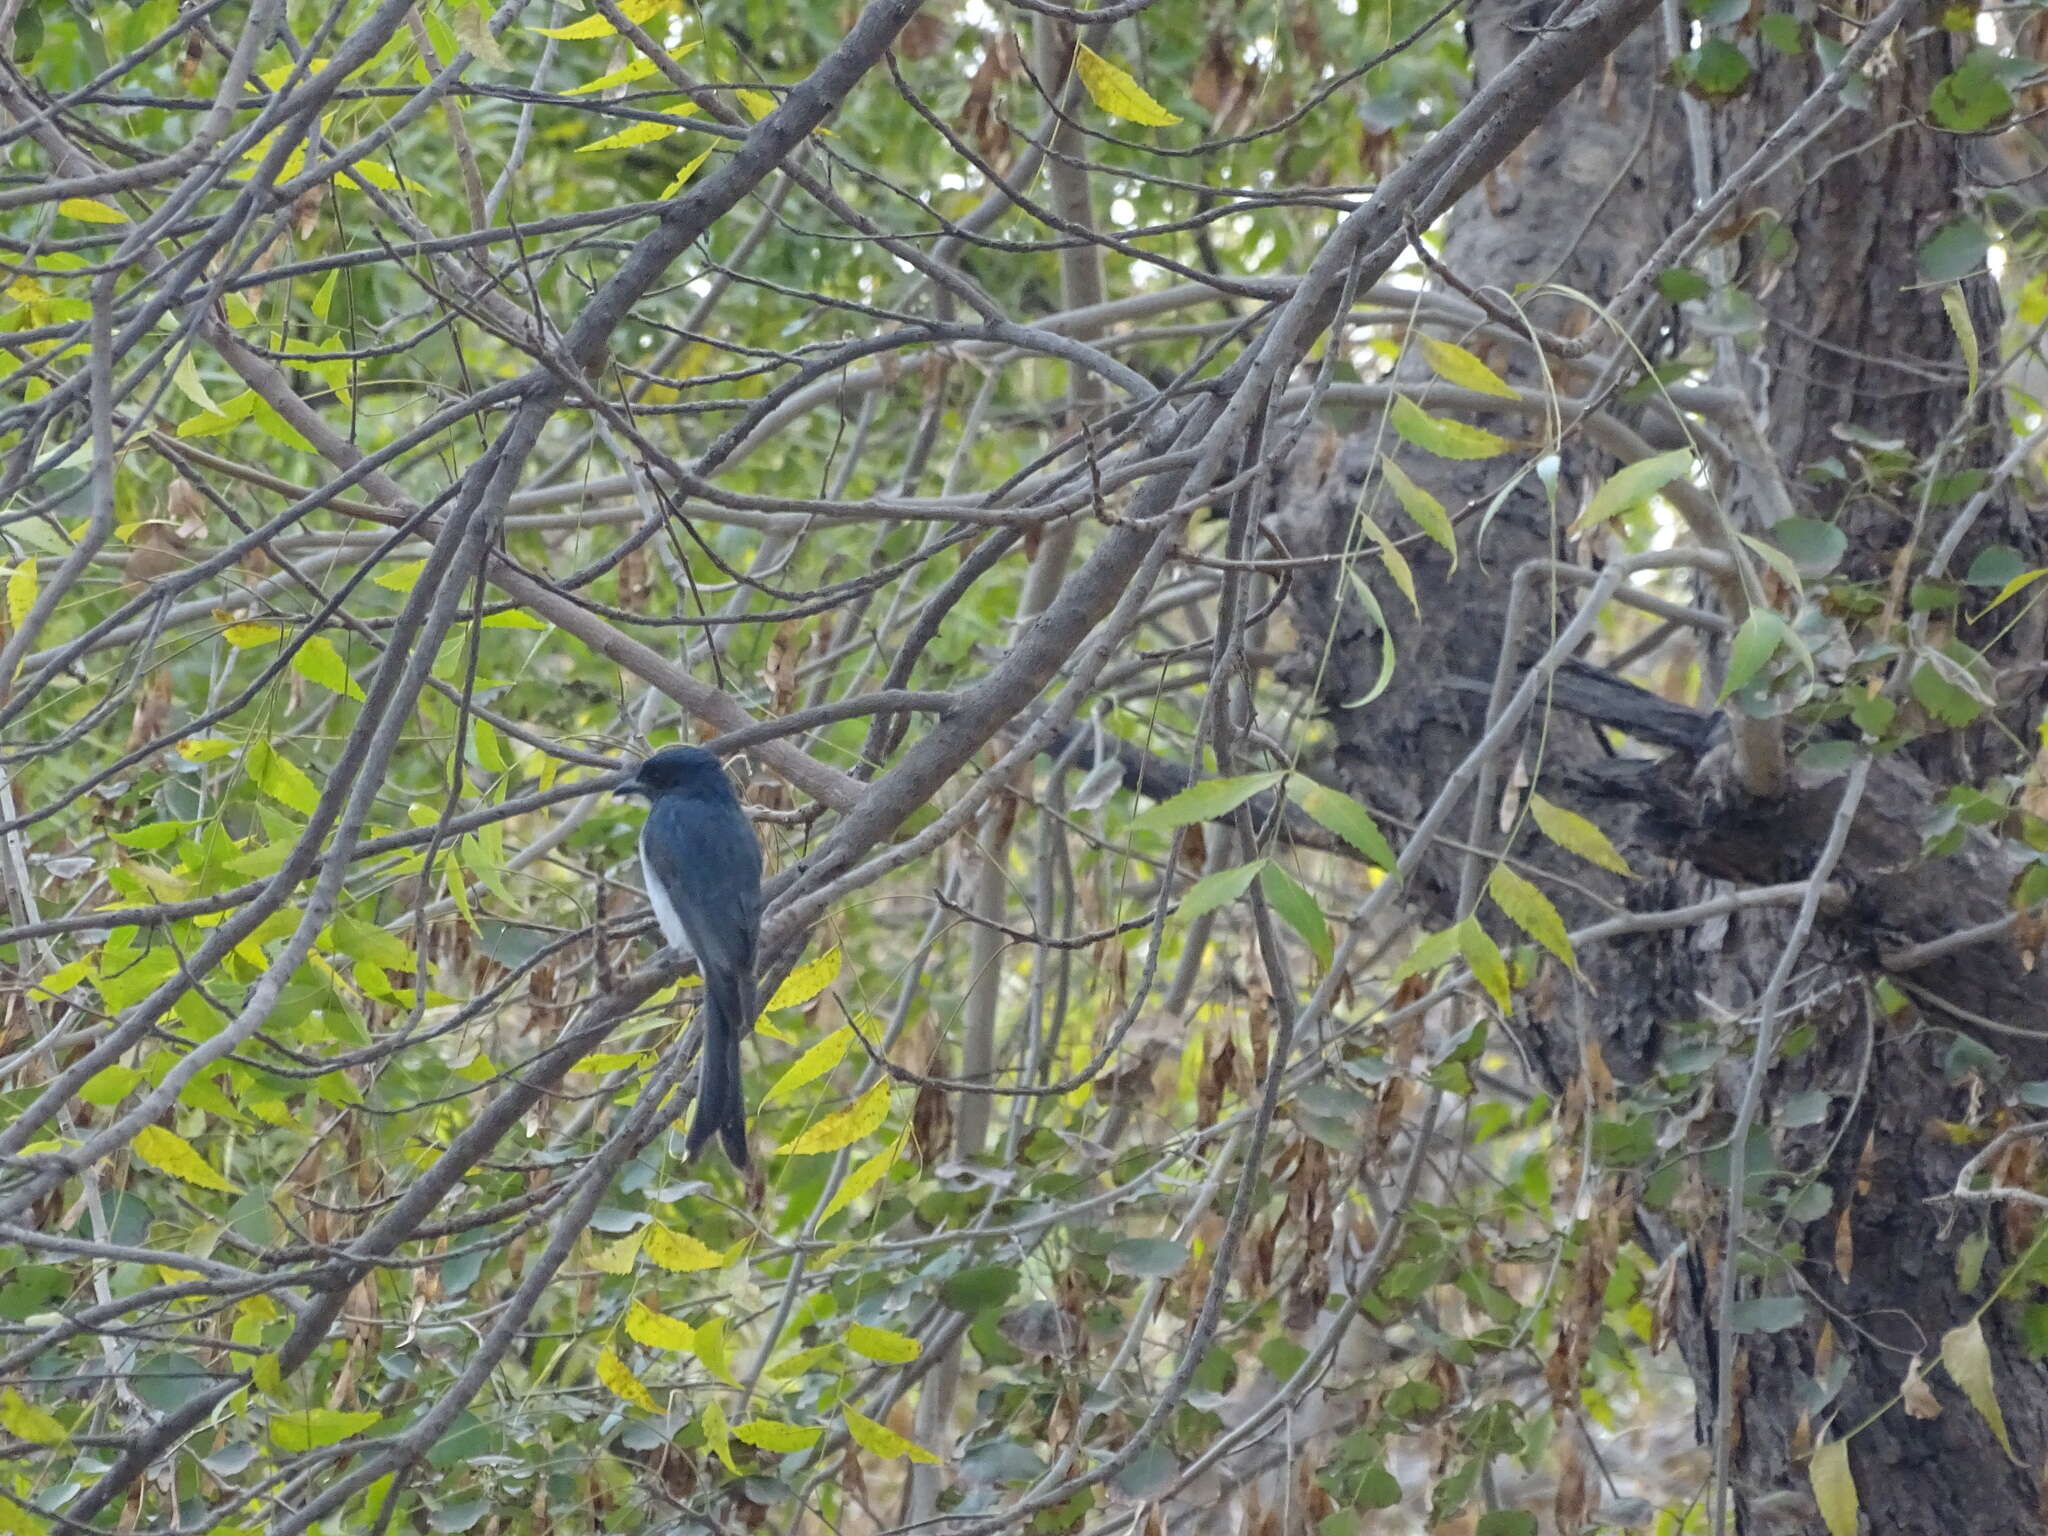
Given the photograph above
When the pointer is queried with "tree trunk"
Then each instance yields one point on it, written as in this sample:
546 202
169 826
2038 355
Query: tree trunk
1851 335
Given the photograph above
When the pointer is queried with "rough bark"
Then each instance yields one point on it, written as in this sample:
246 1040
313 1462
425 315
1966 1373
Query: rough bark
1854 336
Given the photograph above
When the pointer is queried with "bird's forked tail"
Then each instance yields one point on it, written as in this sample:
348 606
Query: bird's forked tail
721 1104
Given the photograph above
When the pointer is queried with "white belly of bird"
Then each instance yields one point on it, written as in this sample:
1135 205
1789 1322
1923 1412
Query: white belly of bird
664 910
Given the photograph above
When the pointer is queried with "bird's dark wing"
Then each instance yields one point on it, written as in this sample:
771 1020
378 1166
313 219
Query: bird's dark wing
709 864
703 853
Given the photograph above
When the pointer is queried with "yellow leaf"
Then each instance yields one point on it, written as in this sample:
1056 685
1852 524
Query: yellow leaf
861 1118
90 210
711 1423
617 1258
1396 562
617 1375
25 1421
382 177
656 1330
473 29
21 593
1573 833
1454 365
1483 955
774 1435
682 177
882 1344
171 1153
1957 308
1968 1359
758 103
806 982
1113 90
678 1251
1834 1488
812 1065
1531 911
627 138
244 633
639 69
859 1182
635 11
883 1440
1442 436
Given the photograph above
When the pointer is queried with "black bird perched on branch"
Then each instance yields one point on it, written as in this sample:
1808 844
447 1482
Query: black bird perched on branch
703 871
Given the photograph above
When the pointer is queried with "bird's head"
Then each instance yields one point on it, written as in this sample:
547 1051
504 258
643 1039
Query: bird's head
677 770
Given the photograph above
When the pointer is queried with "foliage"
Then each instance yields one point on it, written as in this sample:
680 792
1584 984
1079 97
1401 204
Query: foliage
415 411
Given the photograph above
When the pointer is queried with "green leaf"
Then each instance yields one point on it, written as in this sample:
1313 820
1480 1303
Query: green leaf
864 1177
979 1288
1454 365
1681 285
1970 99
1531 911
1443 437
1423 509
1756 642
319 662
1298 909
1218 890
1432 951
1351 821
1632 485
1815 547
1953 706
1768 1314
1575 834
307 1429
1717 68
1955 251
280 778
1782 31
1204 801
1149 1258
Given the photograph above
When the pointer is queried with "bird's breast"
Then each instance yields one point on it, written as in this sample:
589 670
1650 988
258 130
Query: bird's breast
664 909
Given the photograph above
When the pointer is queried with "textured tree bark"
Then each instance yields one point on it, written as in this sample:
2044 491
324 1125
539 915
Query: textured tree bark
1853 335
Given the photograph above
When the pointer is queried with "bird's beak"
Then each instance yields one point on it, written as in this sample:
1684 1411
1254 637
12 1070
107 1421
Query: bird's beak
630 785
